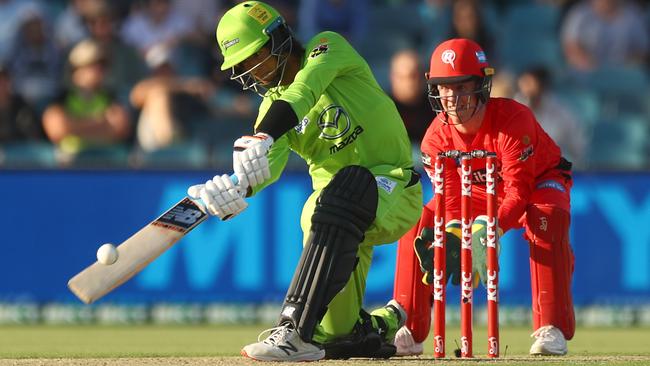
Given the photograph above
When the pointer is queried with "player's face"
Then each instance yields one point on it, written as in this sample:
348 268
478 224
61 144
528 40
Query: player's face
262 66
459 100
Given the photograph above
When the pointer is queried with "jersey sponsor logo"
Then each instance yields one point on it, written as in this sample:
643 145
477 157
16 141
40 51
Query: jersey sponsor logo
426 159
319 50
300 127
526 153
348 140
386 184
448 57
260 13
551 184
229 43
333 122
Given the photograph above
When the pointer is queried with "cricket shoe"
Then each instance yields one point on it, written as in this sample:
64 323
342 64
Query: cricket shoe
283 344
550 342
405 344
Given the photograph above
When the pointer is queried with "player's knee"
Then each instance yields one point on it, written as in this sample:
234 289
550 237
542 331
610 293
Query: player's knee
349 200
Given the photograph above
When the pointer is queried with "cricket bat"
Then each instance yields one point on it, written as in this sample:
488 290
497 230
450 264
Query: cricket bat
137 251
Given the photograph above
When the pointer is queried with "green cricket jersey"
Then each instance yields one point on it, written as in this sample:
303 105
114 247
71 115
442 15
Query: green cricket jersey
345 116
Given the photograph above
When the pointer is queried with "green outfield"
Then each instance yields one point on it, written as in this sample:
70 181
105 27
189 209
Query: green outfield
219 345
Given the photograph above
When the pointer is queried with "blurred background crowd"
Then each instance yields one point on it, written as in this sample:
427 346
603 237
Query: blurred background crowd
136 83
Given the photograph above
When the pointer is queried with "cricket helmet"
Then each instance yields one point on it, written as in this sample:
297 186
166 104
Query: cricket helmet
244 30
455 61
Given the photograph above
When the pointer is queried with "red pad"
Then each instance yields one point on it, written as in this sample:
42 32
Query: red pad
551 267
409 290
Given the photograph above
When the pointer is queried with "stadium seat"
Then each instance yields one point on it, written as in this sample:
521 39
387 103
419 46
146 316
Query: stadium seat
582 102
518 52
531 19
621 90
190 155
620 144
529 38
27 155
97 158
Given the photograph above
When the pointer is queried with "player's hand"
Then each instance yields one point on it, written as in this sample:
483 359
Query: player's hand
479 248
423 245
249 159
219 197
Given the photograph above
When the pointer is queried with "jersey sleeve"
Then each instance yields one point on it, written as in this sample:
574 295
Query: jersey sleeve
328 55
517 146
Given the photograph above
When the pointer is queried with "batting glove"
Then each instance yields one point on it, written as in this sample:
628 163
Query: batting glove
218 197
250 163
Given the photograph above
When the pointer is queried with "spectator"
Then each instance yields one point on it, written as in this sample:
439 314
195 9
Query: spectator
169 103
35 62
604 32
86 115
556 119
18 121
157 23
12 12
407 91
125 65
202 13
467 22
70 28
347 17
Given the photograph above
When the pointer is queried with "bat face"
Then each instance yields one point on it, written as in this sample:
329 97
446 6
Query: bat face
137 251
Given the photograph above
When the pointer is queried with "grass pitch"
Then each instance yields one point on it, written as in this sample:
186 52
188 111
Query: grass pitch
220 345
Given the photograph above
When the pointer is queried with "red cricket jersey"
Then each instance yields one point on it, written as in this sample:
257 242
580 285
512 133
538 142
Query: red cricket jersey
525 154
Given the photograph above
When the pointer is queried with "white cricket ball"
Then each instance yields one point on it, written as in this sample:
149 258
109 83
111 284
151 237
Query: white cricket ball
107 254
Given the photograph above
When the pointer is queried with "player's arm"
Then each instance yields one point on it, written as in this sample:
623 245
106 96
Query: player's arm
517 146
330 56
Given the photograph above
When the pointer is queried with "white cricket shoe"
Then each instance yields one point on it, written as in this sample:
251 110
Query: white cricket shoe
283 344
550 342
405 344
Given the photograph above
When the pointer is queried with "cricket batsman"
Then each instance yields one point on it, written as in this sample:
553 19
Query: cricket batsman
533 193
322 102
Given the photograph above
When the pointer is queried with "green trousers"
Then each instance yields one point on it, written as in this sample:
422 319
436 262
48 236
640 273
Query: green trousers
397 212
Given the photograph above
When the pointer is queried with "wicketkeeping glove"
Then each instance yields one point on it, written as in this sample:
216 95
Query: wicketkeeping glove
479 248
424 249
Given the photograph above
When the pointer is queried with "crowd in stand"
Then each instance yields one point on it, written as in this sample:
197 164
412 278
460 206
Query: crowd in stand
136 83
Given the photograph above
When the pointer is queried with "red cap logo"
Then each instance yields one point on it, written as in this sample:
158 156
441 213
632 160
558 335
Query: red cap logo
457 60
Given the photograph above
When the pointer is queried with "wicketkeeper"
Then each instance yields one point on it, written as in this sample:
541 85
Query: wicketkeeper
323 103
533 193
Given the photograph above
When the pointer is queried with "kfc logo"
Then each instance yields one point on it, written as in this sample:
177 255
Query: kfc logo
438 285
492 286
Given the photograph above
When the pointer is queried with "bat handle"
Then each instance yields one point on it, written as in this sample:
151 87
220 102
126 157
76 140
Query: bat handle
234 179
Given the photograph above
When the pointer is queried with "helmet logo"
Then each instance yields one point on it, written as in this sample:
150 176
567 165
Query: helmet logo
260 13
448 57
227 44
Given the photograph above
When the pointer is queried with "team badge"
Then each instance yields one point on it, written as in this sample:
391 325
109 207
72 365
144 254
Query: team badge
526 153
448 57
319 50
